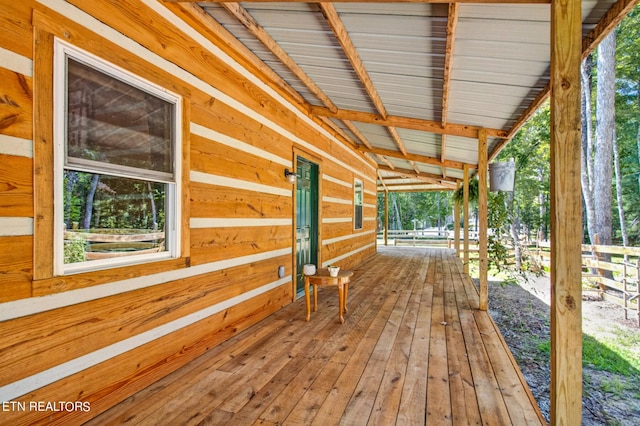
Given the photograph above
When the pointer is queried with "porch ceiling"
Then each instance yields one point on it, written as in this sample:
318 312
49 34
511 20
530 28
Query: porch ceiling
409 84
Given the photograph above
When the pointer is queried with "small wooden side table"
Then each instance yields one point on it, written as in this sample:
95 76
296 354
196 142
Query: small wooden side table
322 277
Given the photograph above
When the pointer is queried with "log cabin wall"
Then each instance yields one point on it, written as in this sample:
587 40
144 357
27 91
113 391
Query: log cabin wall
98 337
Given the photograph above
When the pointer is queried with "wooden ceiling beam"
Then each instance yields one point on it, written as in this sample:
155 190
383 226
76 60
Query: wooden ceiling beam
338 131
243 16
386 161
452 22
214 31
413 175
403 188
357 133
396 138
365 141
528 113
417 158
443 153
407 123
331 15
414 166
608 23
265 38
384 185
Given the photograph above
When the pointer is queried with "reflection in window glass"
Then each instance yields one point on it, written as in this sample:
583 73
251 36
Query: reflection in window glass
113 122
109 216
118 156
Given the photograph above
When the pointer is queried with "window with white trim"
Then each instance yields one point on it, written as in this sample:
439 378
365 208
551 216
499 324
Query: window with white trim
357 204
117 165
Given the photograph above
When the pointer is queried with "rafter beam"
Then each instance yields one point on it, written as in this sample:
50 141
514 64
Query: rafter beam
396 138
386 161
413 175
382 181
212 29
243 16
263 36
418 158
365 141
452 22
357 133
526 115
407 123
609 21
437 186
403 188
331 15
443 152
414 166
338 131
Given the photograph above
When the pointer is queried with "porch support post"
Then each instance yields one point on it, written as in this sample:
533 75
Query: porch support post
456 224
465 213
566 214
483 219
386 217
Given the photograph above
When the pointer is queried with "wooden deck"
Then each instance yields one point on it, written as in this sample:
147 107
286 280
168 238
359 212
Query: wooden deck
413 350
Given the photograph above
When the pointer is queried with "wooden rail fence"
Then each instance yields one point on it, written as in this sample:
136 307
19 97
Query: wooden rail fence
613 272
430 238
128 242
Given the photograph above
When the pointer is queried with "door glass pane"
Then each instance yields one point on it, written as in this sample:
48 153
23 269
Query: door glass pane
306 216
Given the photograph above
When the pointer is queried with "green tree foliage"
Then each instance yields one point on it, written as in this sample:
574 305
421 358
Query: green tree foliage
530 150
428 209
627 122
112 202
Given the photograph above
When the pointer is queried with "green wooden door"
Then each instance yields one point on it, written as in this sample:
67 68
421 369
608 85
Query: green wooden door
306 217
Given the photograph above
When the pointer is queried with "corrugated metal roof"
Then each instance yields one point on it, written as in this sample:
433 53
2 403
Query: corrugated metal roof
499 65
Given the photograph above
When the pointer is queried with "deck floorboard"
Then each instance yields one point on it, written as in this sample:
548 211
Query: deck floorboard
414 350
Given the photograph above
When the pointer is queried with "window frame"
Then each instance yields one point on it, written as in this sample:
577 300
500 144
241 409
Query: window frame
173 184
358 183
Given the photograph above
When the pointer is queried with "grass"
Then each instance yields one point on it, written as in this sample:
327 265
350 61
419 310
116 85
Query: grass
619 354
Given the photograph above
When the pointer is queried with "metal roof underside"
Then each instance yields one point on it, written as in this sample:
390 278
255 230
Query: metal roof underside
409 84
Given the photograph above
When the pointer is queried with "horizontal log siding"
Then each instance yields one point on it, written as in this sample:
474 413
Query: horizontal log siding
16 166
16 261
92 325
212 244
103 335
341 243
17 108
110 382
16 186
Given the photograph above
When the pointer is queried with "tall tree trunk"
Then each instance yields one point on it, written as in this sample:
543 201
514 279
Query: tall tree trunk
542 201
605 132
638 131
514 228
616 162
154 212
587 155
88 212
398 217
71 180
